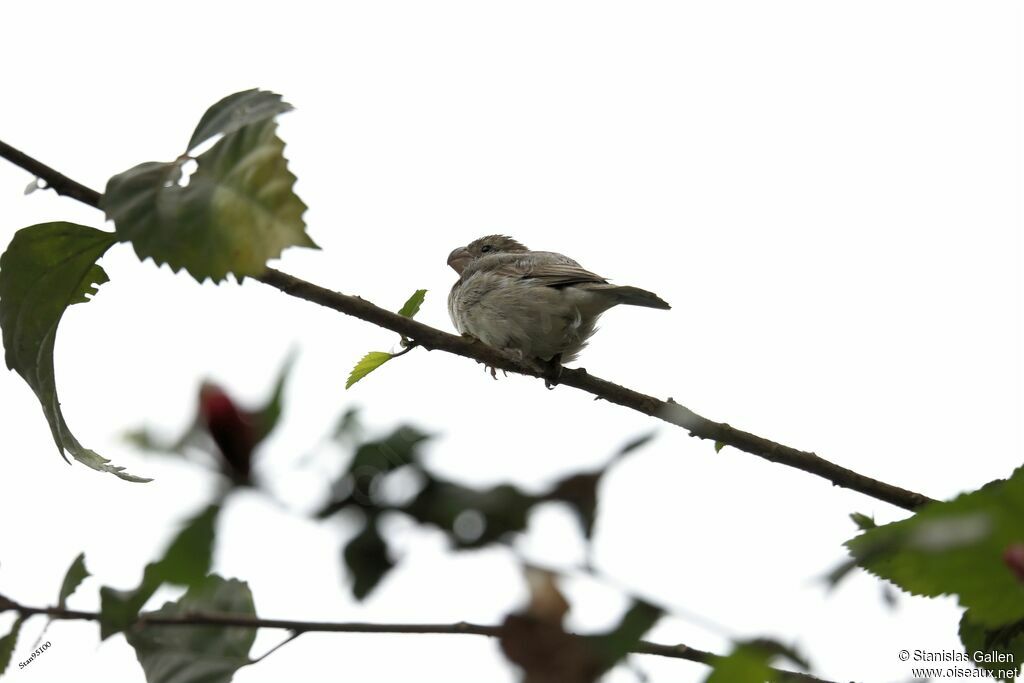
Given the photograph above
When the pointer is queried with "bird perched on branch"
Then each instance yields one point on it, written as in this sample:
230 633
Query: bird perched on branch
536 304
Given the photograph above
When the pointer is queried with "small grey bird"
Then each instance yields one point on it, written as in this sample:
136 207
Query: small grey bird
537 304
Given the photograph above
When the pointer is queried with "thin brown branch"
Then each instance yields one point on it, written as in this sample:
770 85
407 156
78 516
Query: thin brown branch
431 338
297 628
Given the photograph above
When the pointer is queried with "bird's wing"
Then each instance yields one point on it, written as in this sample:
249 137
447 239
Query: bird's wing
550 269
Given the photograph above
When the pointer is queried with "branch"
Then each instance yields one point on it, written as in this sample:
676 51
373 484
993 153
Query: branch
297 628
431 338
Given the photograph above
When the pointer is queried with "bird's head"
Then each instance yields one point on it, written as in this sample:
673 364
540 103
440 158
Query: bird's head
485 246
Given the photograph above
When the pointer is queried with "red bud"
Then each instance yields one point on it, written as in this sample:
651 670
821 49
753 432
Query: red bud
1013 557
231 428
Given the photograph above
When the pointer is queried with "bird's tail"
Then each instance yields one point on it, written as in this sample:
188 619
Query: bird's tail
634 296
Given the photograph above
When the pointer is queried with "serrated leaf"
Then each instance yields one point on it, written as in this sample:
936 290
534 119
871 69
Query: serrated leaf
236 111
411 307
238 211
211 654
46 268
366 365
862 521
185 562
367 559
8 643
72 580
1007 640
955 548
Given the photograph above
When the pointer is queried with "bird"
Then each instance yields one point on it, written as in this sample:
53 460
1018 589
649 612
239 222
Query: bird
533 304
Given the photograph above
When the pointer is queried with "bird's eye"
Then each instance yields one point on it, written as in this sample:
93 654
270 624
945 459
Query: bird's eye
486 248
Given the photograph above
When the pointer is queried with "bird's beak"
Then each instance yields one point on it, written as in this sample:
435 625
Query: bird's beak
458 259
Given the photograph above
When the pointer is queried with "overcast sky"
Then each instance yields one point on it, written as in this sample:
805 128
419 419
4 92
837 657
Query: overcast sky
826 192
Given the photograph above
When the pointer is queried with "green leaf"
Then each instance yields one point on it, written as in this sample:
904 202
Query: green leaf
366 557
237 212
7 644
580 492
237 111
185 562
369 363
750 662
267 417
210 654
412 306
1006 642
719 445
72 580
862 521
613 646
46 268
955 548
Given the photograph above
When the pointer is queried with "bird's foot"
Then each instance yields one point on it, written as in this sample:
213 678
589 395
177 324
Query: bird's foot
553 371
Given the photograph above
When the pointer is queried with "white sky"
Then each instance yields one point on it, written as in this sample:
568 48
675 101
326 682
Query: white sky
827 193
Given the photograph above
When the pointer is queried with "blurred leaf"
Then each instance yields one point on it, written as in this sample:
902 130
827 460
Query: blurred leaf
46 268
750 662
611 647
368 363
366 557
862 521
72 580
397 449
237 211
634 444
185 562
210 654
1008 640
8 642
267 416
348 426
504 510
580 492
955 547
237 111
412 306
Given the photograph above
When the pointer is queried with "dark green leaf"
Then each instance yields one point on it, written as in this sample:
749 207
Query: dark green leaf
611 647
862 521
580 492
185 562
397 449
957 548
206 654
236 111
368 363
366 557
634 444
46 268
503 509
996 643
237 212
412 306
348 426
7 644
72 580
266 418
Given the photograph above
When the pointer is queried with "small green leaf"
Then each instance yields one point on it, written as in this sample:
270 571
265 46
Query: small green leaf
719 445
1005 642
238 210
412 306
368 363
7 644
185 562
46 268
955 548
211 654
366 557
266 417
237 111
862 521
72 580
613 646
750 662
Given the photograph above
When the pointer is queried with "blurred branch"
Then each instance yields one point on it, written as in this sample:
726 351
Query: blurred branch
431 338
297 628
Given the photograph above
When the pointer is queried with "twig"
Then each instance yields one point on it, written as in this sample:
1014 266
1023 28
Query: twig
431 338
297 628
